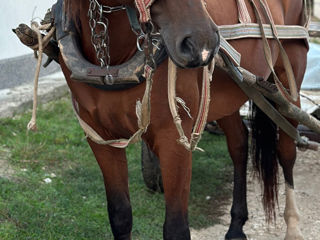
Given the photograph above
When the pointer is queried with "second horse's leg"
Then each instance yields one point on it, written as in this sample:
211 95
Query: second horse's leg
237 140
286 148
287 157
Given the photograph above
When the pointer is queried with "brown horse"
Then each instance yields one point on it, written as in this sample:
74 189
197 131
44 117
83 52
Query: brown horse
187 31
268 149
112 114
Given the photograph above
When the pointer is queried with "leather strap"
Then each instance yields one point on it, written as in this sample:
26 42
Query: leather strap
244 16
293 95
261 101
143 7
133 19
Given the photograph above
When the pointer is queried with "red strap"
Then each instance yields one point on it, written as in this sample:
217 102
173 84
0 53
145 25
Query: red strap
143 7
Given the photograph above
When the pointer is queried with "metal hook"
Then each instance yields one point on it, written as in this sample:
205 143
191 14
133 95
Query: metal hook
139 46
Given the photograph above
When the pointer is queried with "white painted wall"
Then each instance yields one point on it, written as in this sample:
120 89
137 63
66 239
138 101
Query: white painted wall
317 8
12 13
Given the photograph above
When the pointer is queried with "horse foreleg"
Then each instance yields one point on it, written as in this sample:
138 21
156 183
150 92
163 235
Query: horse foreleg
175 164
287 157
113 165
237 140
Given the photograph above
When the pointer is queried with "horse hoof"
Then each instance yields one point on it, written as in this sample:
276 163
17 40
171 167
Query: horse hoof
236 239
294 238
235 235
294 234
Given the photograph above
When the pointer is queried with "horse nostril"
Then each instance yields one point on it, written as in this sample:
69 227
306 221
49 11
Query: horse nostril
187 46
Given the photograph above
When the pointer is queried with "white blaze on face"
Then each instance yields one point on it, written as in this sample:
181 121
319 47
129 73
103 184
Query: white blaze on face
205 55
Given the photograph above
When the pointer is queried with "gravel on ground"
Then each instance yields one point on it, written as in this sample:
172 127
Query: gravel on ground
307 182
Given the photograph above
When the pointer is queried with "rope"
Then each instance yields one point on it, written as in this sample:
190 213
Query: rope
143 109
42 43
203 108
184 106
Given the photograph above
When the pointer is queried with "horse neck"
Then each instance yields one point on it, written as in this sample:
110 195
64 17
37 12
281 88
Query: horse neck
293 10
122 45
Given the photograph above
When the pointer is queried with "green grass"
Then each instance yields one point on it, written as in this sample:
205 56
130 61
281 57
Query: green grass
73 205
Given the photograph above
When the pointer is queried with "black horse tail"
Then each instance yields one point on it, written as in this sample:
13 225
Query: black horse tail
264 158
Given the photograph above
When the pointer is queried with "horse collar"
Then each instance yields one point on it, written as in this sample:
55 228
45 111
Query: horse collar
124 76
100 40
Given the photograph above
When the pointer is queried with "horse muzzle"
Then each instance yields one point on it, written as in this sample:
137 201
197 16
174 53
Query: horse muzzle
198 50
192 49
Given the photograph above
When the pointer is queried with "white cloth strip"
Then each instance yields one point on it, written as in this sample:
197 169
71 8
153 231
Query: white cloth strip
252 30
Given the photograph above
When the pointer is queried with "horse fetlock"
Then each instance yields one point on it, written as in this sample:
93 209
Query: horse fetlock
121 221
291 217
291 213
177 235
176 228
239 215
235 232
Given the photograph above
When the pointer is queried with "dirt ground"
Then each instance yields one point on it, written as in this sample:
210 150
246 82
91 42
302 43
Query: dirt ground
307 188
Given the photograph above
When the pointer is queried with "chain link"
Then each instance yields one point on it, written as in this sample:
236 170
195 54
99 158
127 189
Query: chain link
100 40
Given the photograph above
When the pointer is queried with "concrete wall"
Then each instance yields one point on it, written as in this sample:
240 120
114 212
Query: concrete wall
12 13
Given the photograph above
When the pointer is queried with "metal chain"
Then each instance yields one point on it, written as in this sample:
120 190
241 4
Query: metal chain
100 40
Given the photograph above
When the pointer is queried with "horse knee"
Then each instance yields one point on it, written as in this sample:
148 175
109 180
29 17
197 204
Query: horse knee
120 215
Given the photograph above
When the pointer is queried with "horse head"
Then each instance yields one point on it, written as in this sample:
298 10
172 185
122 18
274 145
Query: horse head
190 35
